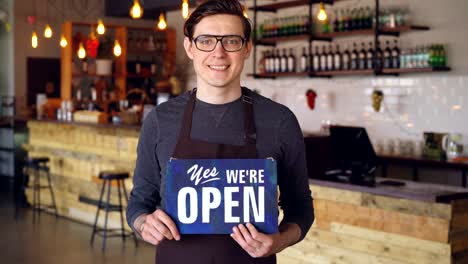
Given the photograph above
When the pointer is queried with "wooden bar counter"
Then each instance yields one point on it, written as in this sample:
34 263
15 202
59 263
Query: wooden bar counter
78 152
416 223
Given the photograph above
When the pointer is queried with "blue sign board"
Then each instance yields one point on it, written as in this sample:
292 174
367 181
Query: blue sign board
210 196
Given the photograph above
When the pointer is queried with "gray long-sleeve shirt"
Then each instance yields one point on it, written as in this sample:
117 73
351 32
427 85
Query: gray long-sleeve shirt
278 136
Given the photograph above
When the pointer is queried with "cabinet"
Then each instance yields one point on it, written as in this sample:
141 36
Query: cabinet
309 36
152 49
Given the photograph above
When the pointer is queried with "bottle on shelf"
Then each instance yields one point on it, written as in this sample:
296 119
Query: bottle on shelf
316 57
84 65
336 21
387 56
291 61
378 56
304 61
354 58
362 57
396 55
261 63
153 66
337 59
138 65
330 56
323 59
346 60
284 62
277 62
370 56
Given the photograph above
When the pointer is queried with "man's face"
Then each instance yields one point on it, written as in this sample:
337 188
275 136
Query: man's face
218 68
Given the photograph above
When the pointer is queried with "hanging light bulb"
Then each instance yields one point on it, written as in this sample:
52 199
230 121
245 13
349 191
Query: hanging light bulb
100 29
185 9
48 31
63 41
162 22
136 11
34 41
81 51
117 48
244 12
322 15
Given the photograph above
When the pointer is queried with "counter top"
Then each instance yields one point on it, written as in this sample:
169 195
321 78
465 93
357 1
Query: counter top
107 125
427 192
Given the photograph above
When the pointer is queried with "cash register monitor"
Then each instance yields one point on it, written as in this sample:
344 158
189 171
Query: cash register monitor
354 157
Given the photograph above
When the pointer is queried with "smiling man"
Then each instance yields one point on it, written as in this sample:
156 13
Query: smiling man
219 120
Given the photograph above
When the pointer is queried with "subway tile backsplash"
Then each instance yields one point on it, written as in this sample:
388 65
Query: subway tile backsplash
411 105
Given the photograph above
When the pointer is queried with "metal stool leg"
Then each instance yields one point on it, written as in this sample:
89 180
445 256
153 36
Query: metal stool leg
120 211
126 199
97 213
36 196
106 216
51 192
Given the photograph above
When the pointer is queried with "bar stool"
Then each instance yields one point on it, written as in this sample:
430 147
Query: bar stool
34 167
108 177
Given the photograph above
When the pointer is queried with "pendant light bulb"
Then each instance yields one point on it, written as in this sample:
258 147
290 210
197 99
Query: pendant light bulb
34 41
244 12
100 29
185 9
136 11
63 41
81 51
162 22
117 48
48 31
322 15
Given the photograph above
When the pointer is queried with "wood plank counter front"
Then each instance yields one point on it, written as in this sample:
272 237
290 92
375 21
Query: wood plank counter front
416 223
78 152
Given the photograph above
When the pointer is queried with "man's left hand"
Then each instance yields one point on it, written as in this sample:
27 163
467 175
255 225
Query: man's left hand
255 243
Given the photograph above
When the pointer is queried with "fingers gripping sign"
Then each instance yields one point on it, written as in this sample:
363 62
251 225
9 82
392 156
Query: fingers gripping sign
157 227
255 243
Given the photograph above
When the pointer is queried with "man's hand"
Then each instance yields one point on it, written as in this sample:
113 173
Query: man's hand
258 244
158 226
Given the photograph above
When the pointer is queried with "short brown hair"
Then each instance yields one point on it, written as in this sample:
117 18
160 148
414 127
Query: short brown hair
217 7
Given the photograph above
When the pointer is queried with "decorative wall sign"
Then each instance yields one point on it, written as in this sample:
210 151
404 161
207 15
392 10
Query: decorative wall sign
210 196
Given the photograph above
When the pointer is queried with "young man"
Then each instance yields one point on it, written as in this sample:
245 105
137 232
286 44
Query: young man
218 120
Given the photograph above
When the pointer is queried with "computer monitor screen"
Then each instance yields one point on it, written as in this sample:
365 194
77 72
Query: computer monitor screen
352 150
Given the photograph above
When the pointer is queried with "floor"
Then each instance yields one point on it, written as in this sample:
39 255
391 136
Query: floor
58 240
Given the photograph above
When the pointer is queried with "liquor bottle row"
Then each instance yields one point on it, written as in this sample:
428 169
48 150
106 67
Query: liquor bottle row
284 26
344 20
146 41
424 57
353 57
331 58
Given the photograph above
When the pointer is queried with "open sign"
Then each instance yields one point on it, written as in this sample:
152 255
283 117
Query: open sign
210 196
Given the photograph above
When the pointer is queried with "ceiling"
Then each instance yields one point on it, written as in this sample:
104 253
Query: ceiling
152 8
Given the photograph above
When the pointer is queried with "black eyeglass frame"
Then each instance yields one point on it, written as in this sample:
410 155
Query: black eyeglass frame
219 38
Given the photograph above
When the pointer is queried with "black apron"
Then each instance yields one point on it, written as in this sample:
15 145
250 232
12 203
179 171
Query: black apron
211 249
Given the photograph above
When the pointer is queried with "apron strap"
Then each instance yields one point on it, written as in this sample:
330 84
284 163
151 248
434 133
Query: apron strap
250 134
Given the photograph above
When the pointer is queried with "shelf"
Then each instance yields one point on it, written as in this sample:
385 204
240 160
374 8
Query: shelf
340 73
273 41
145 52
416 70
347 73
76 75
274 7
330 36
281 74
396 31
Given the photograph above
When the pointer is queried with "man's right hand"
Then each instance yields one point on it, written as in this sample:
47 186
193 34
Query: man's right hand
158 226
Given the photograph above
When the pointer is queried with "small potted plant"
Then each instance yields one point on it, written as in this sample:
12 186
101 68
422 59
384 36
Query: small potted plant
104 56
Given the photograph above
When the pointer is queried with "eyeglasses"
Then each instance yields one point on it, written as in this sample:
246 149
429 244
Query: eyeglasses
230 43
